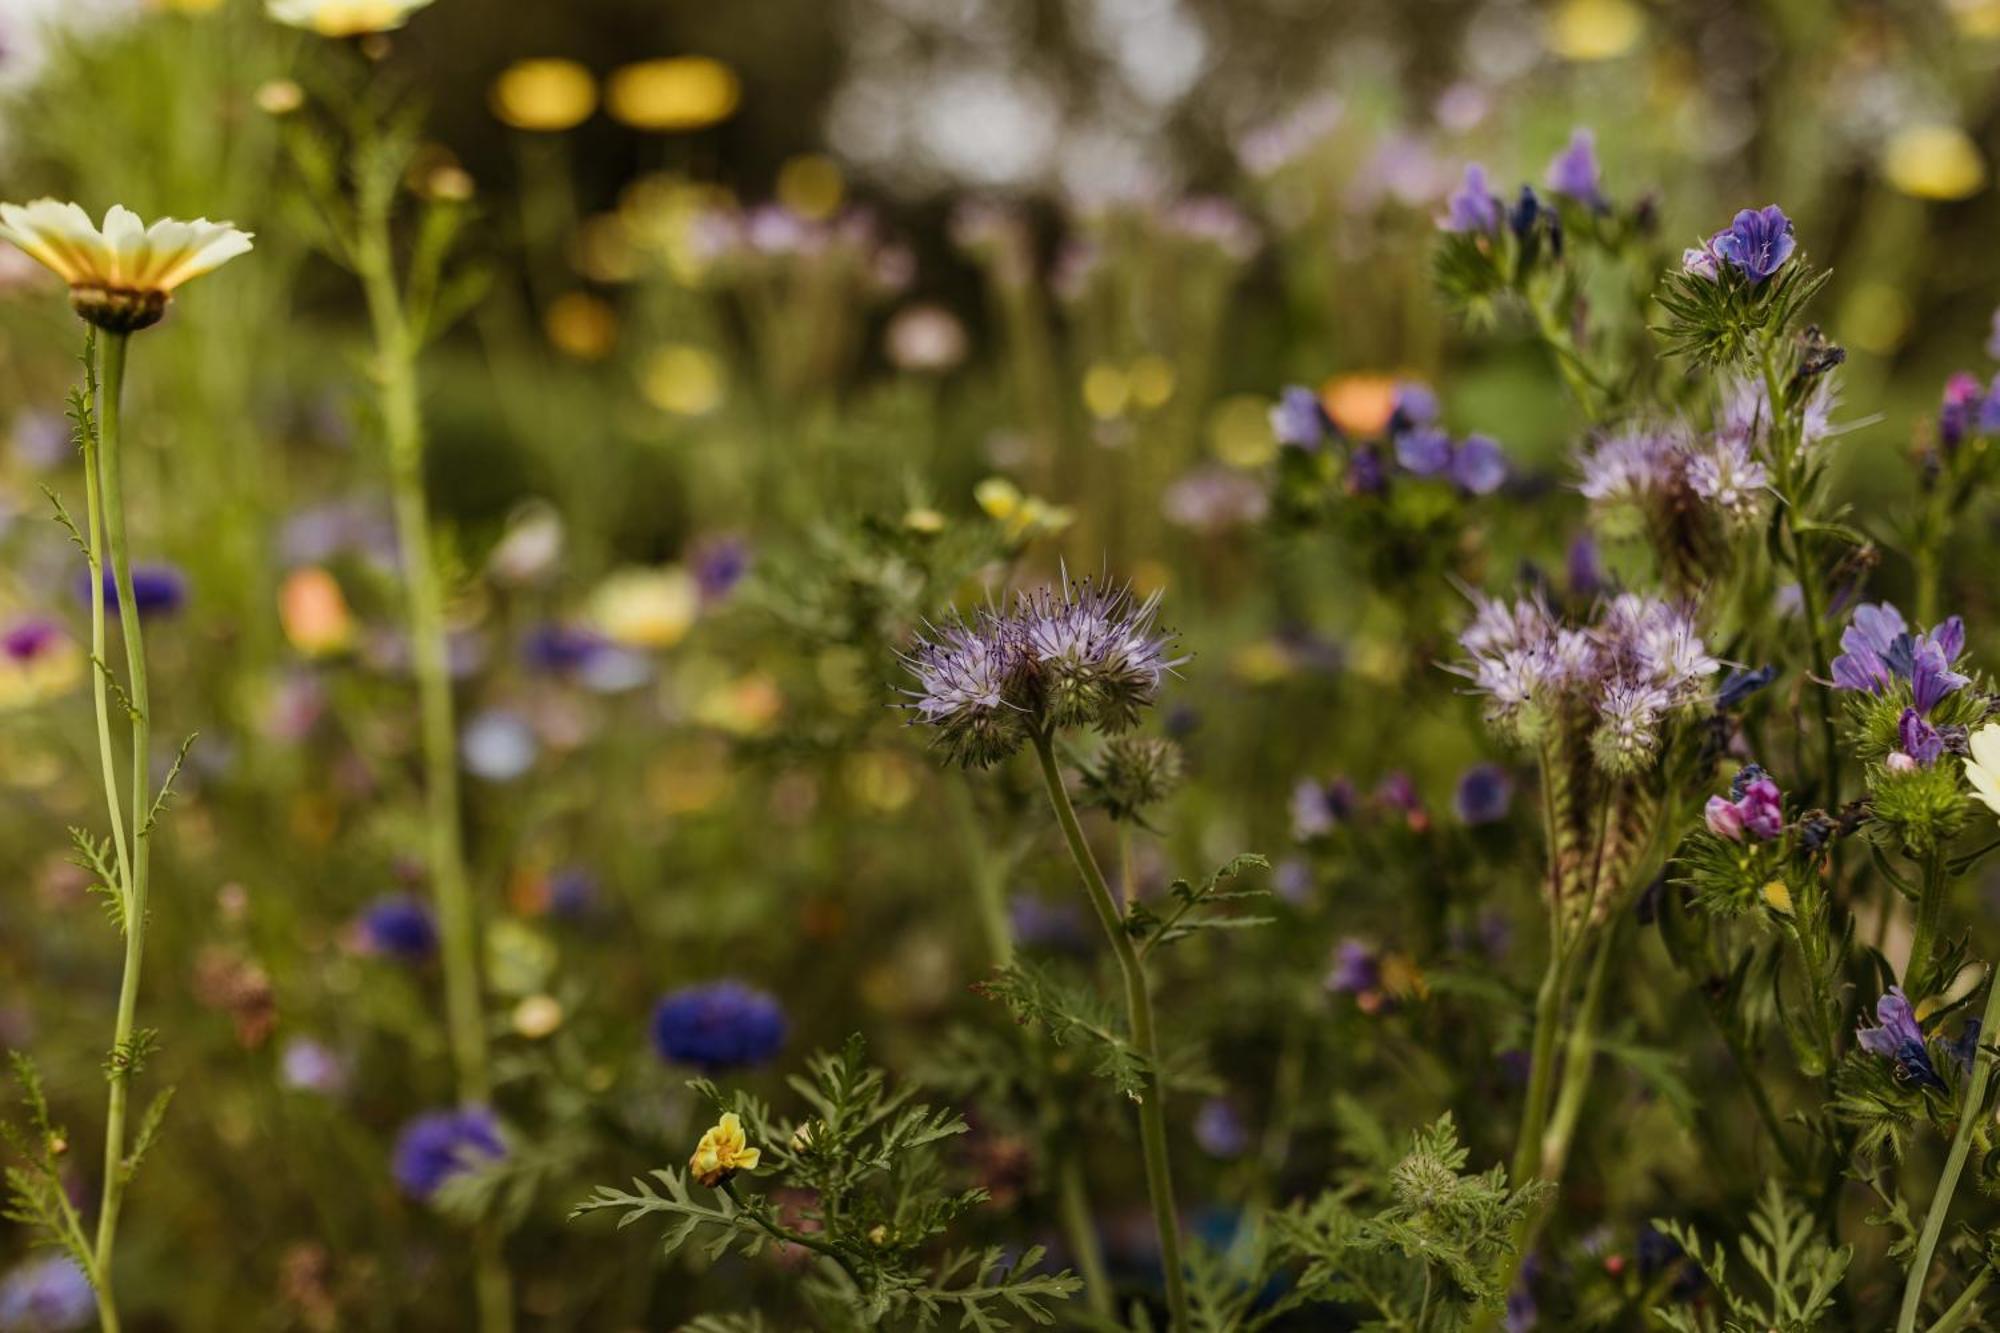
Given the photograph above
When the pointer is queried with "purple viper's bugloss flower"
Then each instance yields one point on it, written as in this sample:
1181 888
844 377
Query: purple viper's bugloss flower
1483 795
1724 819
1366 474
1319 807
717 1026
157 589
719 564
1879 649
1763 809
1219 1129
1899 1038
1473 209
1299 419
1356 968
435 1146
1574 172
1424 452
1477 465
47 1294
1414 403
1740 685
400 926
1919 739
1756 243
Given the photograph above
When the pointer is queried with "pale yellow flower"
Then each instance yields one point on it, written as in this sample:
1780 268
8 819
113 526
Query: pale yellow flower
544 94
647 608
1982 769
722 1152
344 18
122 275
677 93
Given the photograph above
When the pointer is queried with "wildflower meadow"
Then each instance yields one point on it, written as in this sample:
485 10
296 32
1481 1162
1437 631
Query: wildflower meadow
1150 665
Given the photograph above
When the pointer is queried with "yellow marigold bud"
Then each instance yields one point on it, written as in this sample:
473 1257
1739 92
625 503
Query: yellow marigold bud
722 1152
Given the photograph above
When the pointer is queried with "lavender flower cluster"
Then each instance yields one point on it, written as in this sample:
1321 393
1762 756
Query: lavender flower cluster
1079 655
1620 680
1419 446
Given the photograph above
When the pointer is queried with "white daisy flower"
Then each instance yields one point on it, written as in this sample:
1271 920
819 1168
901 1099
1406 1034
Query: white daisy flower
344 18
1982 770
120 276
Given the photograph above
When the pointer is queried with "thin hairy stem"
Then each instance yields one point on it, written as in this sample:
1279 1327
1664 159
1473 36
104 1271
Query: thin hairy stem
1139 1015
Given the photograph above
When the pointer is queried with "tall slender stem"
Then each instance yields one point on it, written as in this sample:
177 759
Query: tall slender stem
1579 1059
1930 920
110 499
402 423
1969 1112
1139 1016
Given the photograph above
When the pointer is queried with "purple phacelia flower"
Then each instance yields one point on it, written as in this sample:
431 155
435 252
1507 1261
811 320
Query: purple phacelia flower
313 1066
1299 419
1483 794
1879 649
722 1025
1574 172
1756 243
1095 652
399 926
1899 1038
438 1145
157 590
1473 209
1920 740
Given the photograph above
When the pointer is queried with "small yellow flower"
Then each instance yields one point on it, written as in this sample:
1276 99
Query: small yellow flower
536 1016
544 94
1595 29
121 276
683 379
344 18
1982 769
279 97
680 93
722 1152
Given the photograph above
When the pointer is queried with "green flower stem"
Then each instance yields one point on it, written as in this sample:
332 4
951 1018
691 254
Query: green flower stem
1579 1059
988 873
396 373
1930 922
1954 1318
111 500
1970 1112
1139 1014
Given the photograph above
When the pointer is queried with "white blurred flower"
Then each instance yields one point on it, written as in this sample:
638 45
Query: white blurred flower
344 18
1982 769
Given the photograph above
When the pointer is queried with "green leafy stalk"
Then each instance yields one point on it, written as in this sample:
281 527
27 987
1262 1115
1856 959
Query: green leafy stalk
1139 1016
1969 1113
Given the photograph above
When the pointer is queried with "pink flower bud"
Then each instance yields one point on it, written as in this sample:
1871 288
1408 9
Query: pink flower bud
1724 819
1898 762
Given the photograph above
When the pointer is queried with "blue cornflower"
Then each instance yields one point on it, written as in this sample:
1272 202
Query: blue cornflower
158 590
1756 243
1473 209
1899 1038
400 926
49 1294
721 1025
435 1146
1299 419
1878 648
1574 172
1484 793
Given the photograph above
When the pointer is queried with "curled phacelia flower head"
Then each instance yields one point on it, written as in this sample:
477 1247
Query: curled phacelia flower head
1133 773
1621 679
723 1151
1081 654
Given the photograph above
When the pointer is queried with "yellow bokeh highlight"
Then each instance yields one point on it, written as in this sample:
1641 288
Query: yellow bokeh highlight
811 186
683 379
1595 29
646 608
279 97
1239 431
1875 318
581 326
602 249
1107 391
676 93
1151 379
1934 162
544 94
1979 19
